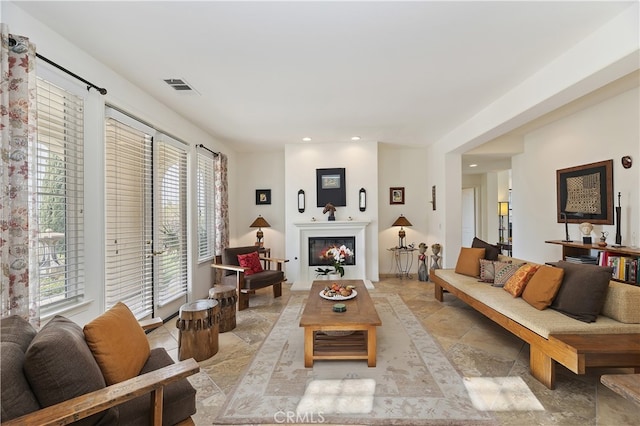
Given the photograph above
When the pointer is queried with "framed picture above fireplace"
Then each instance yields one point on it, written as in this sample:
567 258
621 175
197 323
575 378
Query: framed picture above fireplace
331 187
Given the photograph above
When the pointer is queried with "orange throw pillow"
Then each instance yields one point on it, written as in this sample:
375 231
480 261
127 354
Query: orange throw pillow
543 287
469 261
518 281
251 261
118 344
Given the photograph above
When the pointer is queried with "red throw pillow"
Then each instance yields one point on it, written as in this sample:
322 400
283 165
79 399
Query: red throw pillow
252 261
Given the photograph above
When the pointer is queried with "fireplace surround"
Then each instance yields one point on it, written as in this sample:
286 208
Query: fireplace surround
334 229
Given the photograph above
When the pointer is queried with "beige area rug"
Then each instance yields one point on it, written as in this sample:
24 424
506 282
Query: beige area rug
297 286
412 384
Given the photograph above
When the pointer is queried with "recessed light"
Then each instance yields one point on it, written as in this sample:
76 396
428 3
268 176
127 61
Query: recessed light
473 165
306 139
355 138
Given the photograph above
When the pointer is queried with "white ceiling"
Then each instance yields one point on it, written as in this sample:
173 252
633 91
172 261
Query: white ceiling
270 73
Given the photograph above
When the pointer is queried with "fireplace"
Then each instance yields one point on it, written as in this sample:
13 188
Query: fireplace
330 230
318 247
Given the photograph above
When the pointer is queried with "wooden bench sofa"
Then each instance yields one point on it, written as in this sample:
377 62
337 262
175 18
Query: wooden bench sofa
554 337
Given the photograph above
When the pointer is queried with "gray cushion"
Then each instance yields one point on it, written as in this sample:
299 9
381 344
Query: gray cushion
59 366
17 330
583 290
179 399
17 398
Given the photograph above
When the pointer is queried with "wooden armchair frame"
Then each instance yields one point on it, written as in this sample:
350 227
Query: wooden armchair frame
243 293
151 383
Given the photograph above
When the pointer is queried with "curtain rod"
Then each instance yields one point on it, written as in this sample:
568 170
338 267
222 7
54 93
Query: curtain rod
101 90
204 147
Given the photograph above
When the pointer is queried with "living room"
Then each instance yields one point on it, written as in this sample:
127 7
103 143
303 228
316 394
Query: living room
580 108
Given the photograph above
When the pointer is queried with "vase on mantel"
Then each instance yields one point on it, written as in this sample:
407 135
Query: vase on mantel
333 277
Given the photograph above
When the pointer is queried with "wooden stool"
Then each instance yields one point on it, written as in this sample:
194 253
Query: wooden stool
198 323
227 297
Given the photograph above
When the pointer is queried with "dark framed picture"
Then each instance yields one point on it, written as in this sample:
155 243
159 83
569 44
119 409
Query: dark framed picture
396 195
331 187
585 193
263 196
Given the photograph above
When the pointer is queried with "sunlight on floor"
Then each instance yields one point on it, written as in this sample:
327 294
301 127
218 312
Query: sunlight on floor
501 394
348 396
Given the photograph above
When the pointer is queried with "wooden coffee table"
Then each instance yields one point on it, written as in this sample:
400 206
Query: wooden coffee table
361 318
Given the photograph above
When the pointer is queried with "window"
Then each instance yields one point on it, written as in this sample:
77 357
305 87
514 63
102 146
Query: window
60 195
205 206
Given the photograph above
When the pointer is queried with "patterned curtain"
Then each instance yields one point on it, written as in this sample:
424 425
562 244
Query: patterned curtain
18 237
222 203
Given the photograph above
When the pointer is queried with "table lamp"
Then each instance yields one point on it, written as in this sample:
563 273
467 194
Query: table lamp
401 221
259 223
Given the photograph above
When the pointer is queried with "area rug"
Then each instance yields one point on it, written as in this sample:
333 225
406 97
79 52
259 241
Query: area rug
413 383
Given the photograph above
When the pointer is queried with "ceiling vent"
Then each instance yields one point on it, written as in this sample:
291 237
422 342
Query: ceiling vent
179 85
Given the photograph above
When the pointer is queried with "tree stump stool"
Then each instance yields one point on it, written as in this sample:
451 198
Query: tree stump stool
227 297
198 323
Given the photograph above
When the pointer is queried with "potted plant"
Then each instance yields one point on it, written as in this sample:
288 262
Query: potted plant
323 273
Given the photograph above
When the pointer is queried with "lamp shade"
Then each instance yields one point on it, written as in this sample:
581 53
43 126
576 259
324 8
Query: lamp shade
503 208
260 222
401 221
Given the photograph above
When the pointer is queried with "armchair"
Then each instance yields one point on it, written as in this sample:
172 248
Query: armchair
242 277
51 377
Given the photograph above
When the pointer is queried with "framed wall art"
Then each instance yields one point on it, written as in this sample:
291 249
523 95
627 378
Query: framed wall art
331 187
263 196
585 193
396 195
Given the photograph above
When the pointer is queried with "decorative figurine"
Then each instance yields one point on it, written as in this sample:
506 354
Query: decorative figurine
585 229
435 259
422 268
331 209
603 239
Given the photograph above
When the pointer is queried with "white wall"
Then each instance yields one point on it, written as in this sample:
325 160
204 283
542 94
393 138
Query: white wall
608 130
360 161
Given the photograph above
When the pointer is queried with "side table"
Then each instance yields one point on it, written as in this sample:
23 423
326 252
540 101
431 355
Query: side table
265 252
404 260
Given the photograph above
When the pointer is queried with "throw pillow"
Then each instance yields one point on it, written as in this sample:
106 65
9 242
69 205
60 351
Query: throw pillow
251 261
487 271
469 261
518 281
583 290
118 343
59 366
543 287
504 271
491 252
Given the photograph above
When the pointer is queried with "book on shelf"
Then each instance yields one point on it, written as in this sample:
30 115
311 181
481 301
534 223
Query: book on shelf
584 259
625 268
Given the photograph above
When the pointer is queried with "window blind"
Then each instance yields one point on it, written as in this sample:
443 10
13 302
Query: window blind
60 195
171 218
205 206
129 245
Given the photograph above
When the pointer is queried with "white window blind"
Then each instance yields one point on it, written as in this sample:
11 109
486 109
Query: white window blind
171 218
60 195
129 245
205 205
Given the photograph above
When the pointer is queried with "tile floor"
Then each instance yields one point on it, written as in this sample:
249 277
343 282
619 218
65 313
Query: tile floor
493 357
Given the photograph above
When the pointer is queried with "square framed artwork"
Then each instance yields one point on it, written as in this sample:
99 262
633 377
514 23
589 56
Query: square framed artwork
331 187
585 193
396 195
263 196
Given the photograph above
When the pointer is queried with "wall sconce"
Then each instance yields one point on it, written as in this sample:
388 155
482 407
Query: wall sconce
401 221
362 199
259 223
301 201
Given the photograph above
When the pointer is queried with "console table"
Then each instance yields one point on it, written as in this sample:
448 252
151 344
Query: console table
575 248
404 260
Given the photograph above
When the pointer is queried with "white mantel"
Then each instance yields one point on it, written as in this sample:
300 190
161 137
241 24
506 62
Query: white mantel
350 228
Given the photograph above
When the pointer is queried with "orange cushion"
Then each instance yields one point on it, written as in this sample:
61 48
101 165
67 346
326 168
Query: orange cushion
469 261
518 281
118 344
252 261
543 287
